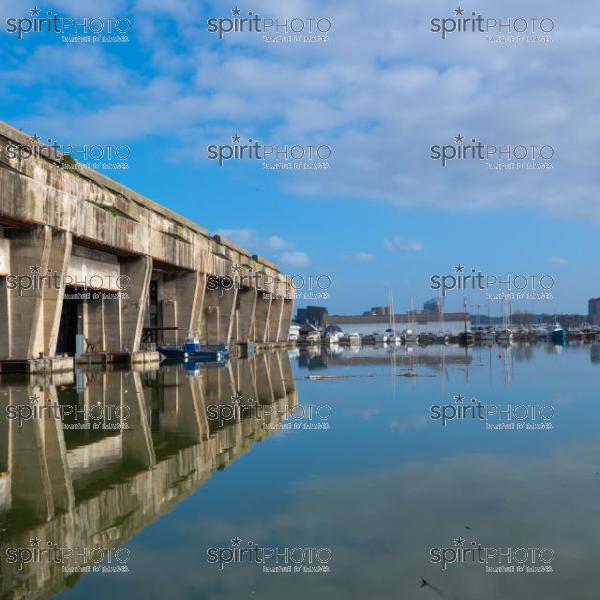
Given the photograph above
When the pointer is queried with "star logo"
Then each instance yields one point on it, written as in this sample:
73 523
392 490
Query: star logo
236 268
459 541
235 12
34 399
35 541
459 11
35 268
459 398
236 398
35 139
35 11
459 268
458 138
236 541
235 138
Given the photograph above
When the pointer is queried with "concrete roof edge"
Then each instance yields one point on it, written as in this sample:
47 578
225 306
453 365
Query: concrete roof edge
20 137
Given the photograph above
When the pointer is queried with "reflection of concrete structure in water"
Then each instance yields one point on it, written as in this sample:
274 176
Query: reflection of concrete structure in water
87 488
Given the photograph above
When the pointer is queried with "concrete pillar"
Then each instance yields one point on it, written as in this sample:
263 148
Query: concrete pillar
277 380
227 306
5 319
56 458
137 439
211 332
288 373
275 319
219 311
245 314
261 317
94 324
112 324
33 315
29 255
286 320
31 488
244 370
183 296
5 434
133 305
264 387
58 262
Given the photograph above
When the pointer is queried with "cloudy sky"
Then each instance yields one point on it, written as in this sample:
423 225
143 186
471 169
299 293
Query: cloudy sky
379 92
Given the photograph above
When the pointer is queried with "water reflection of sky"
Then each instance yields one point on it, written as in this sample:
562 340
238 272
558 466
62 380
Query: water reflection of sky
385 484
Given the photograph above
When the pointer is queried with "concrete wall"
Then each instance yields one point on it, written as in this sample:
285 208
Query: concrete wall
84 225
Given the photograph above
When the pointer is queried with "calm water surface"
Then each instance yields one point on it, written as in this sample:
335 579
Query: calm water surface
366 477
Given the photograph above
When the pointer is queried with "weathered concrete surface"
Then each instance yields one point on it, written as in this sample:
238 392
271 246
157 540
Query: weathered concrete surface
82 224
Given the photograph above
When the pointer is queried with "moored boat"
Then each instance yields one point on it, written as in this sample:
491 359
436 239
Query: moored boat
558 335
195 350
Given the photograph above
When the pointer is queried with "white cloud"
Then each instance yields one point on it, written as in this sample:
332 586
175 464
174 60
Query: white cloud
246 237
275 242
359 257
398 244
295 259
557 260
379 106
273 247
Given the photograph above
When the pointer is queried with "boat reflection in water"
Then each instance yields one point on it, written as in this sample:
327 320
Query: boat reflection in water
110 452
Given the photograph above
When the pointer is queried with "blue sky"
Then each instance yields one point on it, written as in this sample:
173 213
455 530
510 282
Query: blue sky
380 92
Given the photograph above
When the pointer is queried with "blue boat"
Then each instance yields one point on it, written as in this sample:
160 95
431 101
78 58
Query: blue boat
559 336
194 350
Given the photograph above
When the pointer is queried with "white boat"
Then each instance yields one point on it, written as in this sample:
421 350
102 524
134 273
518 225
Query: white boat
294 333
504 336
352 338
484 335
392 336
410 336
309 334
487 336
380 338
333 335
312 337
441 337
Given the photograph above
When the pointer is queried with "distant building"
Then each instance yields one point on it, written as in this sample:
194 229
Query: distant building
594 311
431 306
377 311
315 315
